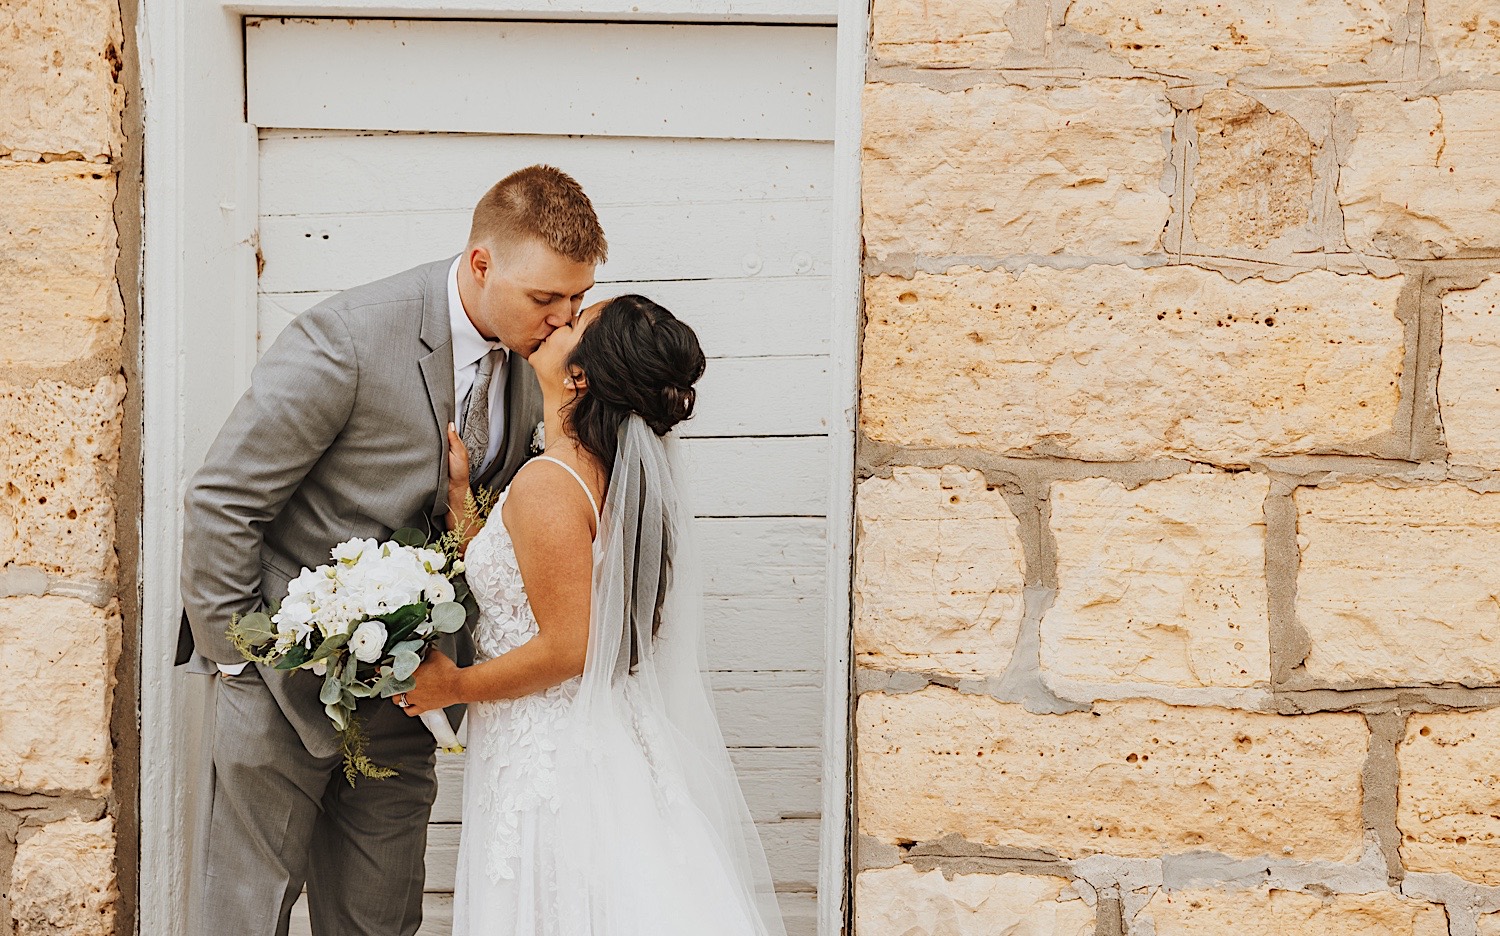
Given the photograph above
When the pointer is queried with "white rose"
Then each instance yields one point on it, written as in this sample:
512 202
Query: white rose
368 641
306 583
438 590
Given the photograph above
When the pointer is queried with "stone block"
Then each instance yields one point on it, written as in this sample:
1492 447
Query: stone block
1001 171
1489 924
940 33
1421 178
59 302
1397 586
1448 803
939 573
54 736
1134 779
1254 180
59 65
63 880
1286 913
1162 585
1466 35
1225 37
1469 381
902 901
1112 363
59 455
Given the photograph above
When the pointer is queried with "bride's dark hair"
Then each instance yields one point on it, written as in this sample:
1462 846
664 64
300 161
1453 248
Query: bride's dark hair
638 358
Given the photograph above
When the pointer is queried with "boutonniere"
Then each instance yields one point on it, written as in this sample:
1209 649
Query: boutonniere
538 440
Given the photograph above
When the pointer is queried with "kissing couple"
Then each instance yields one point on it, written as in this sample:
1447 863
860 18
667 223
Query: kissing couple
599 799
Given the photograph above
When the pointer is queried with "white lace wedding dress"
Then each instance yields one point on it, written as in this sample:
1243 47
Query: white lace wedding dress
520 872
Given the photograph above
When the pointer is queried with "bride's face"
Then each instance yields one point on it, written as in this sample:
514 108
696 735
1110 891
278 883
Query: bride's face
550 359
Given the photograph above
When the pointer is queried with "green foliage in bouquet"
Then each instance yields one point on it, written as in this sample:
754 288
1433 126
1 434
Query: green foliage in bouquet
348 680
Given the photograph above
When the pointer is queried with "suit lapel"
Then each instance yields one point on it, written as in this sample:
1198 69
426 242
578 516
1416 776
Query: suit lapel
437 370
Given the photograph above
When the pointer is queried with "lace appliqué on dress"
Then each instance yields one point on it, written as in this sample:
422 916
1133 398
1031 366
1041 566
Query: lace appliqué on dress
513 758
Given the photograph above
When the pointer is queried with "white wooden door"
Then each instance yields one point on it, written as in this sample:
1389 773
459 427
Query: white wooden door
706 152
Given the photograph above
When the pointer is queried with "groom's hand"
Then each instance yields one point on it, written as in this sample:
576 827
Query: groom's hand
436 684
458 479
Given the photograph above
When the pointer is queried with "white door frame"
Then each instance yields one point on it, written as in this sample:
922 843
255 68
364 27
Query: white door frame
198 284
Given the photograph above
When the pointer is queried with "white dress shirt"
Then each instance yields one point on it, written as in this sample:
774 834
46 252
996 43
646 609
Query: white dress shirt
468 347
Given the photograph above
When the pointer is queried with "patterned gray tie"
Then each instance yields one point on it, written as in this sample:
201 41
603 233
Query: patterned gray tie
476 431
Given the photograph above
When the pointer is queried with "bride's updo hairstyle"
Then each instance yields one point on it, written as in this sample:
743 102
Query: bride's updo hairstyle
638 358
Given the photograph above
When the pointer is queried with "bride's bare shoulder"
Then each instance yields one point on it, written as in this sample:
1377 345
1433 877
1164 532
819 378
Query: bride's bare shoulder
545 499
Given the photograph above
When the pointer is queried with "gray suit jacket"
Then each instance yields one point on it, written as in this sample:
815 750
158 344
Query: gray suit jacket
342 433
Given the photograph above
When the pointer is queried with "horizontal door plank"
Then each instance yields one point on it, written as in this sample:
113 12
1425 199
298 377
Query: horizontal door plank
763 557
744 317
597 79
305 253
347 172
758 477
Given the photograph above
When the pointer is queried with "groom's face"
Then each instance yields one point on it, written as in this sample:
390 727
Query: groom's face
526 292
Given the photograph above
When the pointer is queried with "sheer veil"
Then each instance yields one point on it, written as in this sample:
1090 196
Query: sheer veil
649 806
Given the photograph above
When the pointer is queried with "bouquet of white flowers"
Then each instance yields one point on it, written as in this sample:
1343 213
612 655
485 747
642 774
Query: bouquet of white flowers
363 623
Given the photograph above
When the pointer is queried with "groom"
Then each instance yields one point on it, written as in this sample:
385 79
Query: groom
342 434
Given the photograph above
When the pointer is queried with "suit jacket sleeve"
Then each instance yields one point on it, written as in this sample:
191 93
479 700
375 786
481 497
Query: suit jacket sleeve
301 394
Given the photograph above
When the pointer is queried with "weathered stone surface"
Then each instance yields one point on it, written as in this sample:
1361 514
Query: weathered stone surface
1489 924
1397 587
939 573
1006 170
58 298
1421 178
1287 913
1132 779
1469 382
946 33
902 901
1164 584
1113 363
1466 35
63 880
54 736
59 453
1224 37
58 68
1448 804
1254 180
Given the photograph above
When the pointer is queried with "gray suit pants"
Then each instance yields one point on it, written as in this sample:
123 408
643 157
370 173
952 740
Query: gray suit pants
275 818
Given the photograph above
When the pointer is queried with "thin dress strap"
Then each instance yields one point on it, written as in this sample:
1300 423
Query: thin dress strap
569 469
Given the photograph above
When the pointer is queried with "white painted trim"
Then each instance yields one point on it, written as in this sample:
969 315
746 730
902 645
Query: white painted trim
844 330
616 11
198 295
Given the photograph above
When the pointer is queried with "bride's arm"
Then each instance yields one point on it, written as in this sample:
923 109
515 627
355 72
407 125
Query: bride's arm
551 526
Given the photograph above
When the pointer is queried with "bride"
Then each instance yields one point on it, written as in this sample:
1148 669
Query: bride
599 799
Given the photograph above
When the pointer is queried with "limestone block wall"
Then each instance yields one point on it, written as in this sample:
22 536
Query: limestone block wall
62 392
1179 514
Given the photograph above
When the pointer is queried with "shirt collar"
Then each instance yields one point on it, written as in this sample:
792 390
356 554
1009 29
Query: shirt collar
468 345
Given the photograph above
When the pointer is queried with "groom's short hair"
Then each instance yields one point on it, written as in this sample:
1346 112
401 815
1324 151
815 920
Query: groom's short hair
540 203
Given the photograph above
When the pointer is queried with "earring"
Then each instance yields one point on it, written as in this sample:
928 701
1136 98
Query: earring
567 383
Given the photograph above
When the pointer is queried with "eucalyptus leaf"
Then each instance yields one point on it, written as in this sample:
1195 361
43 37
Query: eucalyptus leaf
448 617
359 690
349 674
414 646
337 714
329 646
406 663
255 628
394 686
410 536
332 690
348 699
